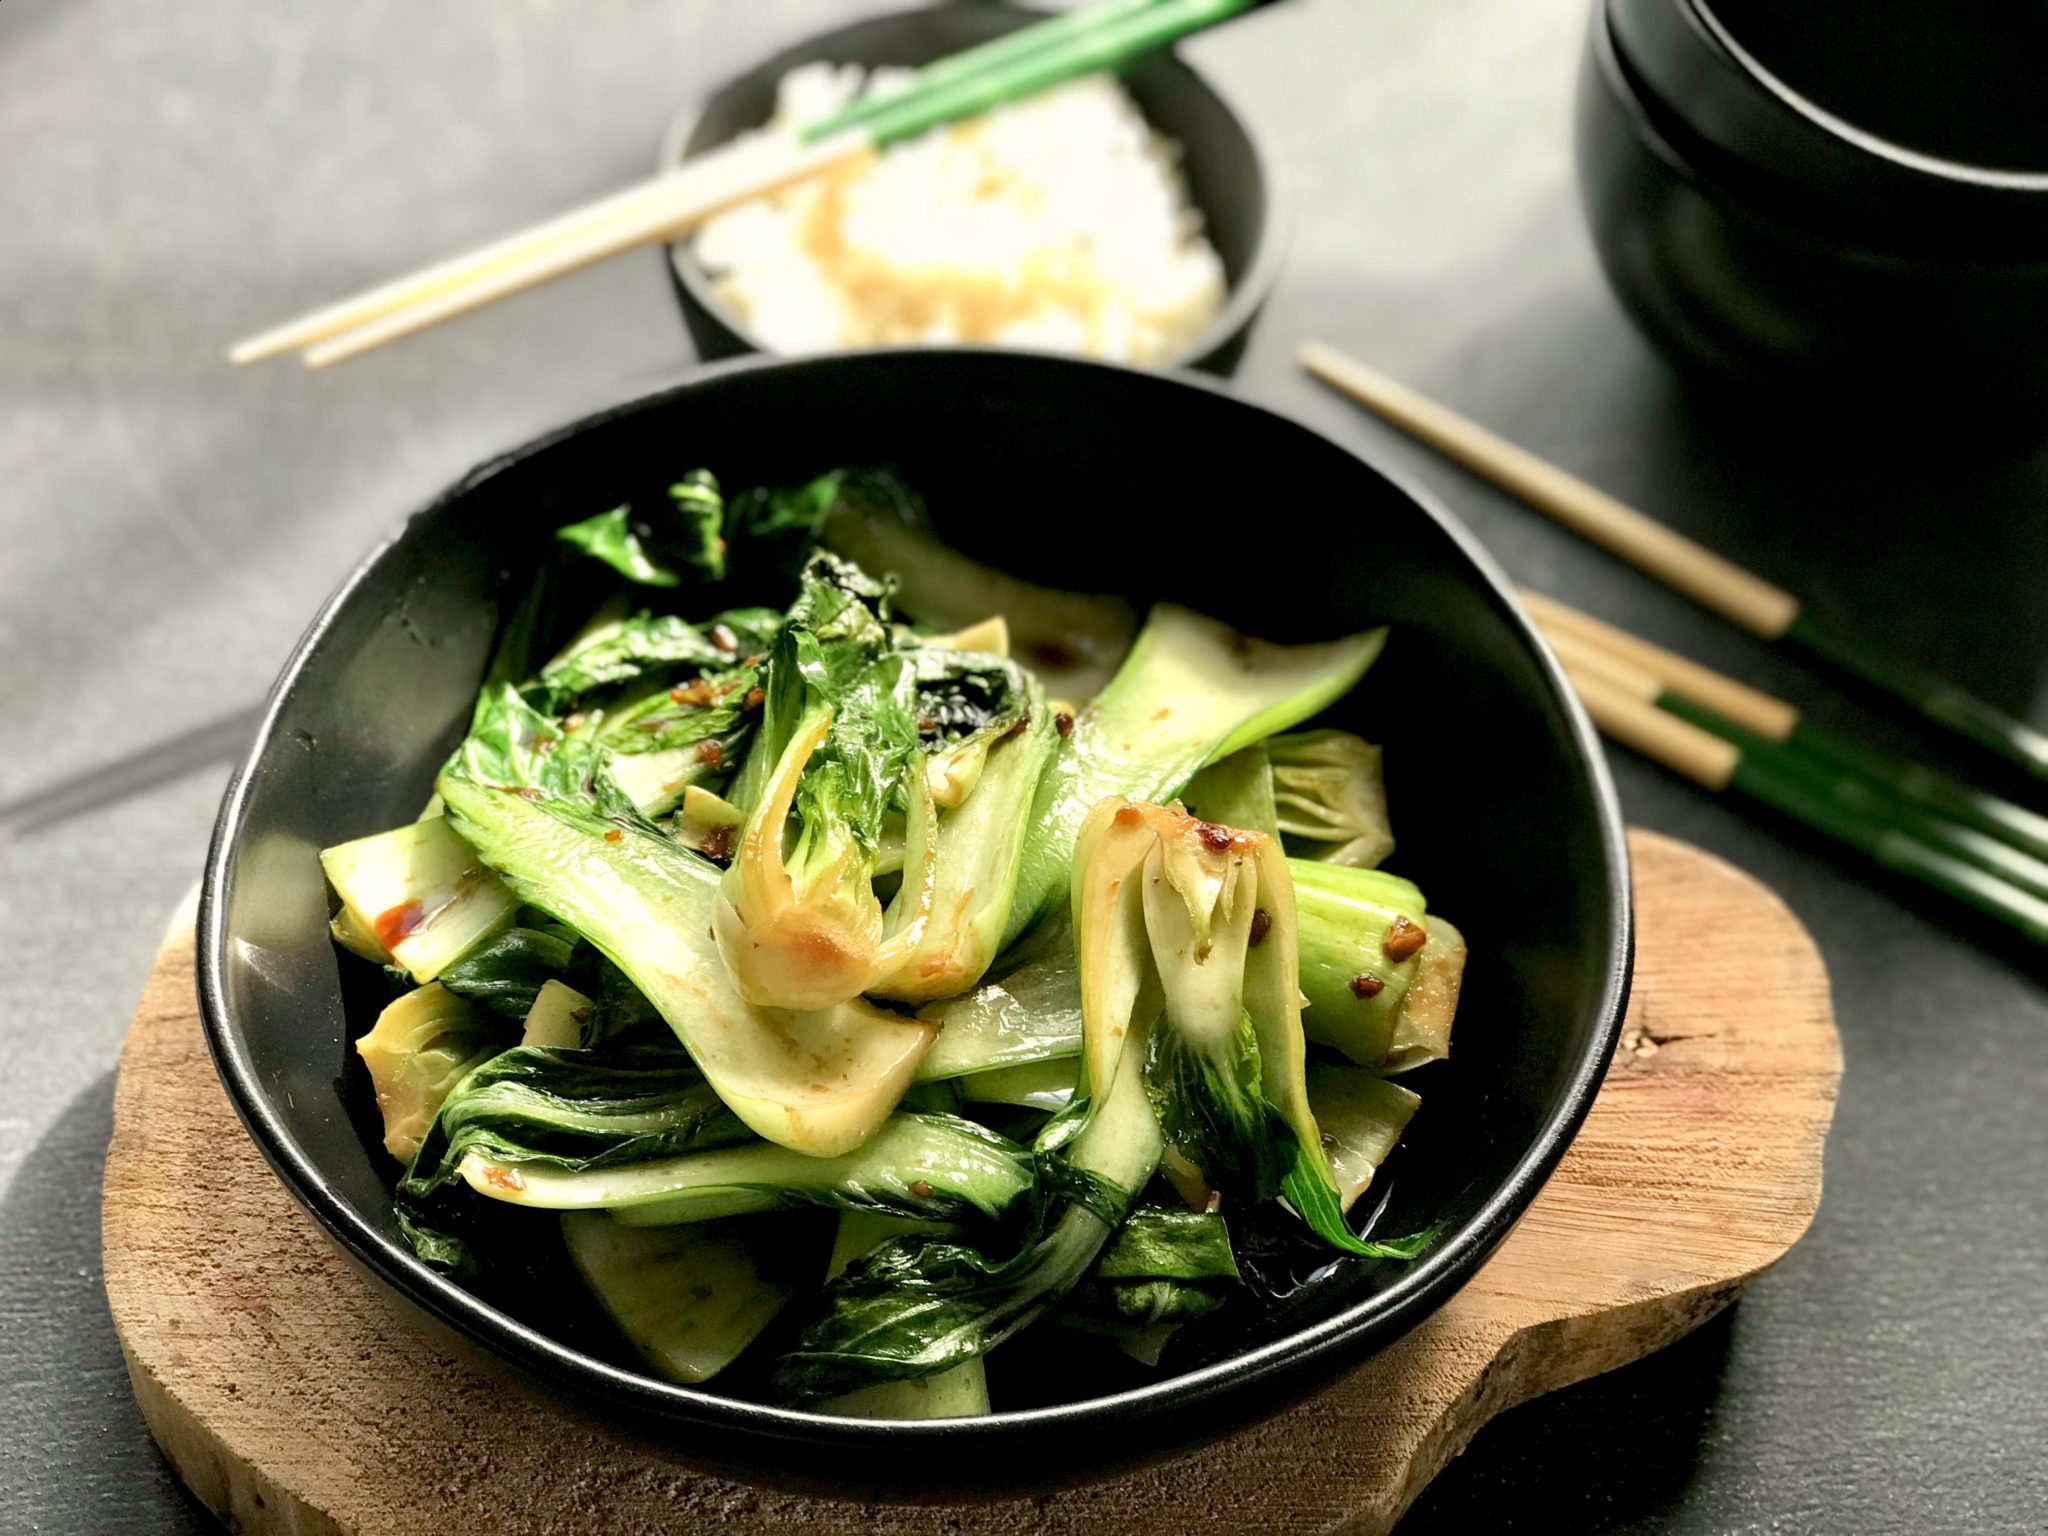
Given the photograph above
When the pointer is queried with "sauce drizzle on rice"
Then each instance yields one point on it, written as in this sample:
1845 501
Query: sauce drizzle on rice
1060 221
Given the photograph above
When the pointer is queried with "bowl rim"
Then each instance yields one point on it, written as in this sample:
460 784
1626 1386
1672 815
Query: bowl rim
1739 127
1870 142
1329 1344
1242 300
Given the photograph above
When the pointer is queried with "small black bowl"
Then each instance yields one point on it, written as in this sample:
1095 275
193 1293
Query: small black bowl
1229 178
1502 804
1811 198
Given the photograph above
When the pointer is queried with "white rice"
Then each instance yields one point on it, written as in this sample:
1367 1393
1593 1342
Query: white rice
1060 222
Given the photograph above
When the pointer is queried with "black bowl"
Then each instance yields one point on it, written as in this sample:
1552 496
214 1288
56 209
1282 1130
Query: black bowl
1065 472
1753 228
1229 179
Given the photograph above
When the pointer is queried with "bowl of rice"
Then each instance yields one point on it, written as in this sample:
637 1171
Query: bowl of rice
1130 217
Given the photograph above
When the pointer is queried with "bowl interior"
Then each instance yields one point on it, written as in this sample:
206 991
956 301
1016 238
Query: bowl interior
1957 82
1070 474
1219 157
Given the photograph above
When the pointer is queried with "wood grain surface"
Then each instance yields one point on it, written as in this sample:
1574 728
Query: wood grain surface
294 1396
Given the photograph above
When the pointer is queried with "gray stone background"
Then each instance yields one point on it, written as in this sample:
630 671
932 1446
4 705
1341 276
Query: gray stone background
173 176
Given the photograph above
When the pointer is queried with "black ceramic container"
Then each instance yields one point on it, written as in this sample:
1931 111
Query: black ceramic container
1064 472
1229 179
1848 201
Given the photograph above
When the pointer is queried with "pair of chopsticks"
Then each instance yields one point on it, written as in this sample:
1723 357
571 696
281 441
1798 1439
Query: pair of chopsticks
1908 818
1727 736
1767 611
1105 35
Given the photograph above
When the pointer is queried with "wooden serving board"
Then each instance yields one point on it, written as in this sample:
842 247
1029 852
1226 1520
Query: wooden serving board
293 1396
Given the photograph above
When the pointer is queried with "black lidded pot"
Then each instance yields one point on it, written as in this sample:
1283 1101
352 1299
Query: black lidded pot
1848 196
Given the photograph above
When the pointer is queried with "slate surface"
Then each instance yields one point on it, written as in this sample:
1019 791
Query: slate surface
172 177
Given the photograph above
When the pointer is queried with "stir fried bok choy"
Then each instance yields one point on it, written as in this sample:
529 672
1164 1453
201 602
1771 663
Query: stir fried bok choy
836 958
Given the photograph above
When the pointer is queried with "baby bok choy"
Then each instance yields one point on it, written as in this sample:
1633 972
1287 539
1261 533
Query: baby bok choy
1187 938
688 1299
819 1082
1167 1266
927 1303
1381 974
798 921
638 1133
1320 792
876 899
422 1045
987 739
1191 692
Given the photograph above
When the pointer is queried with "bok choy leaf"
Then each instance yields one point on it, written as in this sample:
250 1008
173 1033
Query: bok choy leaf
1329 797
819 1082
1380 972
917 1165
920 1305
1166 1267
684 536
1030 1013
688 1299
1191 692
797 919
506 972
421 1046
988 738
1187 942
567 1109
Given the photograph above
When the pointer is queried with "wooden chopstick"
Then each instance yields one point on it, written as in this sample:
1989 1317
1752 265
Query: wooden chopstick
1842 787
1720 704
1748 707
1672 558
1055 31
1105 35
671 209
1741 596
446 275
1611 694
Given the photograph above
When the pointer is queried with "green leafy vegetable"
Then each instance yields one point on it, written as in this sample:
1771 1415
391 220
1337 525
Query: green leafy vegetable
1186 934
988 738
689 1299
697 525
420 893
1362 1116
1423 1032
933 1166
917 1306
798 921
1072 641
1046 1085
421 1046
611 537
506 971
683 536
656 647
1191 692
959 1393
1236 792
1329 797
683 854
820 1082
557 1019
1362 941
1166 1267
1030 1013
